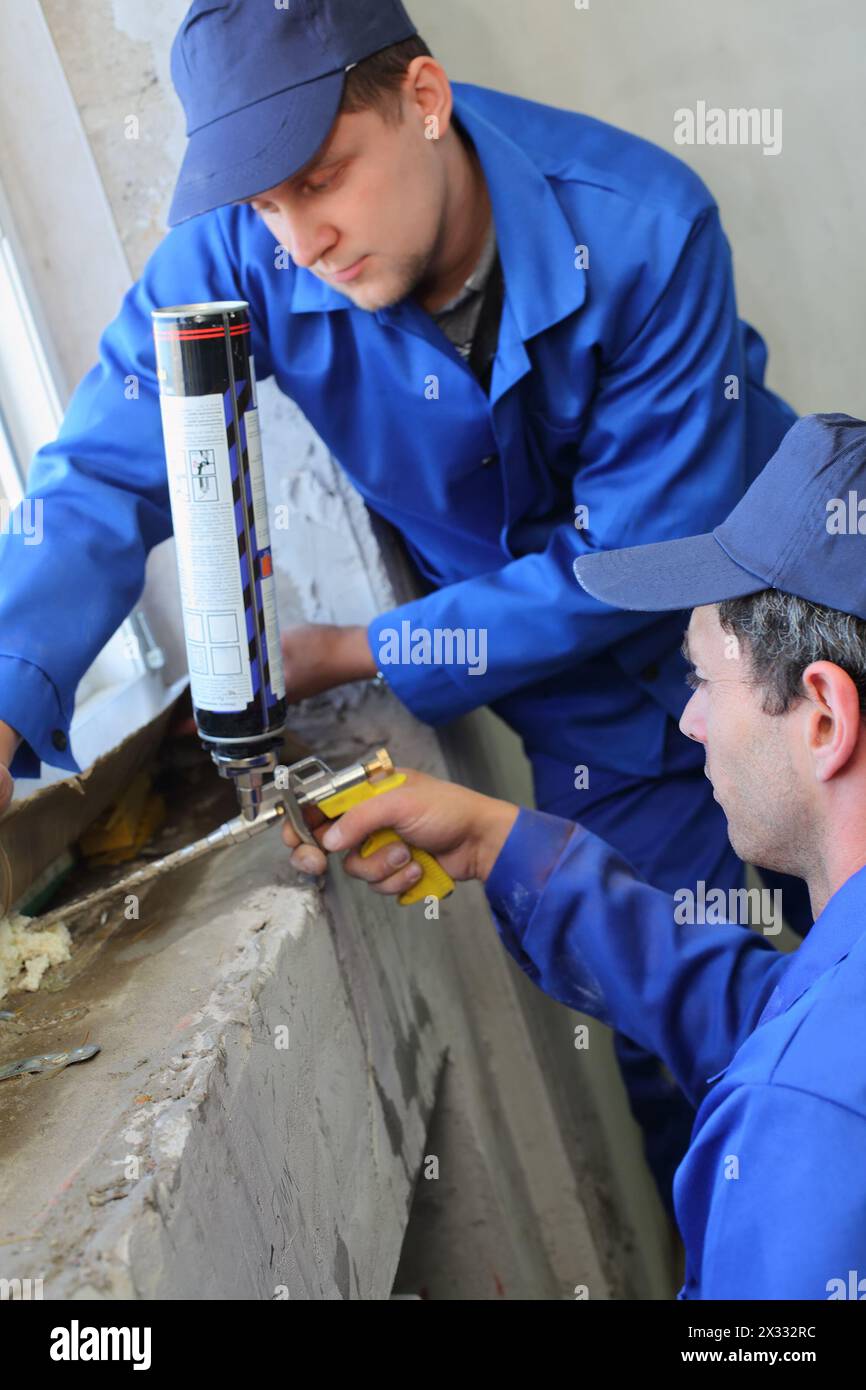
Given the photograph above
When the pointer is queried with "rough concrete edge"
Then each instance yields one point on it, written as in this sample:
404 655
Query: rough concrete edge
103 1269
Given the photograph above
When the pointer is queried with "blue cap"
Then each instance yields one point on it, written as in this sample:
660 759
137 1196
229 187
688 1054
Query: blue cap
800 528
261 82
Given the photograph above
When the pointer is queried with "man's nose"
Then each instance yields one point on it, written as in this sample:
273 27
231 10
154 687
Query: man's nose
305 241
692 722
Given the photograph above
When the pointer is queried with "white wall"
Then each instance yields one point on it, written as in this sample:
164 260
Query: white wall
796 221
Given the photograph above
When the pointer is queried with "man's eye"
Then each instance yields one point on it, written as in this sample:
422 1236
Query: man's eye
321 184
693 680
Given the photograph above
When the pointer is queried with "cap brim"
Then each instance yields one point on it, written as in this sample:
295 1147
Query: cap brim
256 148
666 575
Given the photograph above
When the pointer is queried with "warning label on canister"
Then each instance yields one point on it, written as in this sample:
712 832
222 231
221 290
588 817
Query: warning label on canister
205 527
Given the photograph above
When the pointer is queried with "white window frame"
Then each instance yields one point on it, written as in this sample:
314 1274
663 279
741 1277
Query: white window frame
48 164
29 397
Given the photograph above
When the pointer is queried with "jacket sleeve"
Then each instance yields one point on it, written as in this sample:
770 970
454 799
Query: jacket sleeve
104 501
663 454
592 934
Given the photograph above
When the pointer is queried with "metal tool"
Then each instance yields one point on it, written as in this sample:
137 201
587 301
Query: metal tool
309 782
49 1061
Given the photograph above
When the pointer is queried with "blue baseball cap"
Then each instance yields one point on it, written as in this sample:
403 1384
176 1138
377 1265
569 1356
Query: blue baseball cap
800 528
260 82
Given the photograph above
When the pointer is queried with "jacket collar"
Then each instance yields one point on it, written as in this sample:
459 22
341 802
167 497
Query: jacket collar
834 934
536 242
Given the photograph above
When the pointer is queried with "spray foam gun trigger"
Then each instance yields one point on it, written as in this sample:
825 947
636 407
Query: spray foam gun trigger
311 782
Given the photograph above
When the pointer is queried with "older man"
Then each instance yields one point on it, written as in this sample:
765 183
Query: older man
771 1196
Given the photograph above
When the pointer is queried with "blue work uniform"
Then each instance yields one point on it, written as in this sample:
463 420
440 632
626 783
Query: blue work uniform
626 405
771 1196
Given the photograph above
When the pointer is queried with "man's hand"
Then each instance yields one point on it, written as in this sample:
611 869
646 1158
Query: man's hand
319 656
464 830
9 741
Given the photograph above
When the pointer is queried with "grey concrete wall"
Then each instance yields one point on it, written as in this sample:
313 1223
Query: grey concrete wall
115 56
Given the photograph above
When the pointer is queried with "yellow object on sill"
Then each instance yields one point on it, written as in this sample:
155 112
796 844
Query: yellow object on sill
125 827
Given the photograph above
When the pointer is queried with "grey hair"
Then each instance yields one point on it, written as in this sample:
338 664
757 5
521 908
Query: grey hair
784 634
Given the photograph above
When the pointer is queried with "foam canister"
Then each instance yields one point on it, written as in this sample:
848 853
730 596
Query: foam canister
220 516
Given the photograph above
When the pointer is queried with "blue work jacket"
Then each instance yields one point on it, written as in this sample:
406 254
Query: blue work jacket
624 385
771 1195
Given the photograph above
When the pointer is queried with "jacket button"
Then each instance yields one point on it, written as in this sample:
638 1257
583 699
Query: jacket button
651 672
59 739
490 458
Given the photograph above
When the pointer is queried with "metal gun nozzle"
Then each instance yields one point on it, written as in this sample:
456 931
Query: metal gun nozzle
380 764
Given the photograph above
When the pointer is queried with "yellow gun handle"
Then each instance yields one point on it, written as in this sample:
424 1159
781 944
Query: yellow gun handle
434 882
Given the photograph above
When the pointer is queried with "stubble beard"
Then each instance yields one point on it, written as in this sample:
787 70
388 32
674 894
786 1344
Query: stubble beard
407 275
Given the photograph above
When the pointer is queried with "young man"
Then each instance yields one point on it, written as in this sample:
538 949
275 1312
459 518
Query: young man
771 1197
516 329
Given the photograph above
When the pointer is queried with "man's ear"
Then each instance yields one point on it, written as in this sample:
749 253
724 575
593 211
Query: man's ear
426 85
833 718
